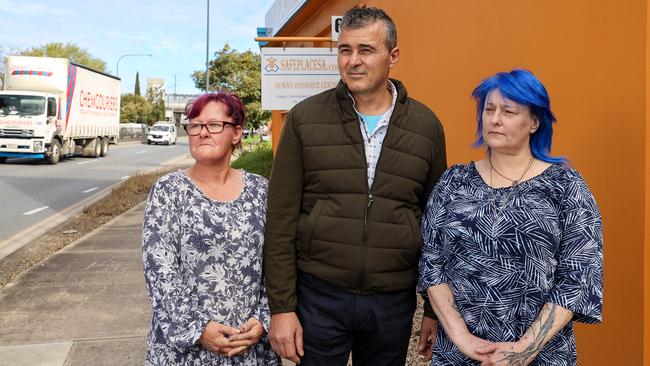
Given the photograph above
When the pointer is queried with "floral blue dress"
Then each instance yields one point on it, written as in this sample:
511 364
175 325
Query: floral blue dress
506 252
203 261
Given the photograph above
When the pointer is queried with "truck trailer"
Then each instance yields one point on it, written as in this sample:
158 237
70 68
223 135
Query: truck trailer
52 107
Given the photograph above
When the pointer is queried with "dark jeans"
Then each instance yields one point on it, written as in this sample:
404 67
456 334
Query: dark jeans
376 327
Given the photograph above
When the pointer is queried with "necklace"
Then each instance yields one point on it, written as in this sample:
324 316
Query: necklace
498 208
514 181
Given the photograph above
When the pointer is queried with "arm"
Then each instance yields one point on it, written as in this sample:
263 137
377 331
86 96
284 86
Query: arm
550 320
433 278
438 165
451 319
284 200
429 325
578 281
175 305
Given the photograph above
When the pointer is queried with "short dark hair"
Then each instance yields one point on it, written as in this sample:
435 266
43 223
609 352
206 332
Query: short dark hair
356 18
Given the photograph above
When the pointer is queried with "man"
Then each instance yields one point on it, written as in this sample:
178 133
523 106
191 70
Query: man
351 175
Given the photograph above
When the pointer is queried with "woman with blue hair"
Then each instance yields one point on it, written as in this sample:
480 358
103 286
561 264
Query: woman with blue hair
513 247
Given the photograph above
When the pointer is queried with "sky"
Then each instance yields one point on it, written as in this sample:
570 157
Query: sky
172 31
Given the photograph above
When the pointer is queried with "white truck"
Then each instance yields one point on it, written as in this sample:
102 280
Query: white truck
52 107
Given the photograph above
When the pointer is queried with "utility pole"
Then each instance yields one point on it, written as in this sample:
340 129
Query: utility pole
207 50
174 102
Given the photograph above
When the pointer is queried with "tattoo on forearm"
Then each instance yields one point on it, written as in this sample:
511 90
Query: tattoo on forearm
538 331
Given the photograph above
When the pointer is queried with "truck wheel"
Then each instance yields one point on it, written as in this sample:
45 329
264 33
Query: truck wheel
54 153
2 160
98 148
104 147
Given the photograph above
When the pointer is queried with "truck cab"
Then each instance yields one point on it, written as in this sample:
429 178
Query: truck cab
28 125
53 107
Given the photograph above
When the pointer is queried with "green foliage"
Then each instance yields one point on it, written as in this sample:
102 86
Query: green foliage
70 51
239 73
137 109
156 97
137 83
258 161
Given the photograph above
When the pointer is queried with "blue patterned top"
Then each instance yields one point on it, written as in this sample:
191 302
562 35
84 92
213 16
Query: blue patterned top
504 260
203 261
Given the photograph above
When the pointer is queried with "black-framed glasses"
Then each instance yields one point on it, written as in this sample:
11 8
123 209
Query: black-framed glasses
194 129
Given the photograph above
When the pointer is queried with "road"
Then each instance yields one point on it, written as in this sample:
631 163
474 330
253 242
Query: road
31 191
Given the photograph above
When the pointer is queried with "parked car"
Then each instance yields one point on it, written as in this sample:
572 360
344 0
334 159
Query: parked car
162 133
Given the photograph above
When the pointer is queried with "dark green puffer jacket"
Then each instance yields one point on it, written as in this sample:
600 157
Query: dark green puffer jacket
322 218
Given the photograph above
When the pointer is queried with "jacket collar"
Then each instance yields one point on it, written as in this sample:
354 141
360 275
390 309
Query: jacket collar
349 116
343 93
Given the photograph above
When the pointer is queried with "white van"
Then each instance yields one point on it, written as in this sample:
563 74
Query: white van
162 133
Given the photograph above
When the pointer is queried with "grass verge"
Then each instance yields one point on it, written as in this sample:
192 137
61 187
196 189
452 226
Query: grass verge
258 161
123 197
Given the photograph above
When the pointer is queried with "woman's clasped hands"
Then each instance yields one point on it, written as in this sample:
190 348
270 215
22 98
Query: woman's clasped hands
229 341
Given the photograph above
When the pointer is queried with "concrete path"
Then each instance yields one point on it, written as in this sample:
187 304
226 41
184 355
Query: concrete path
85 305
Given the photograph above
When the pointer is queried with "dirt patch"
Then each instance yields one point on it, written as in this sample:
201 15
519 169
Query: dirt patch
123 197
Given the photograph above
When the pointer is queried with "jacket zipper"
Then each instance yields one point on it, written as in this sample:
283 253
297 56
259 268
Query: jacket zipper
366 214
362 275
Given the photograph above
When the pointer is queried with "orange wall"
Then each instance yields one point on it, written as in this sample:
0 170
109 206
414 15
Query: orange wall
591 55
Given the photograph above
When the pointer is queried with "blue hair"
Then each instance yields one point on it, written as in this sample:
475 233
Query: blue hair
523 87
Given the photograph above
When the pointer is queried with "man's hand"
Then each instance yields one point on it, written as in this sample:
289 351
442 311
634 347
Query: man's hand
250 332
428 330
286 336
215 338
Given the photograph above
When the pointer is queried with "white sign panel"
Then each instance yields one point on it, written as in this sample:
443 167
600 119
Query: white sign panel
290 75
336 27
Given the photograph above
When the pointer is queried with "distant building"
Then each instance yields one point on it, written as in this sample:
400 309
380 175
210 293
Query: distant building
175 106
155 83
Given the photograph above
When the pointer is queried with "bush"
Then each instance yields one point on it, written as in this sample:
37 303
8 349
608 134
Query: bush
257 161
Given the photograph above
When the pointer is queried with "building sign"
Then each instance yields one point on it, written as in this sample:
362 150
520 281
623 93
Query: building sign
336 27
290 75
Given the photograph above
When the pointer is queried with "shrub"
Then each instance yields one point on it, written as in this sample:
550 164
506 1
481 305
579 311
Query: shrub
257 161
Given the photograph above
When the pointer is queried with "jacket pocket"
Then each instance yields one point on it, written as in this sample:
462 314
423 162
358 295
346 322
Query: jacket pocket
415 229
310 224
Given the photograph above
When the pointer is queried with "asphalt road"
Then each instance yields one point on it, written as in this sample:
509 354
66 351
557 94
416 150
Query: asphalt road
31 191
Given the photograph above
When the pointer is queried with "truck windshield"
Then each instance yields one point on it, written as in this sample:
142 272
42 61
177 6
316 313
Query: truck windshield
21 105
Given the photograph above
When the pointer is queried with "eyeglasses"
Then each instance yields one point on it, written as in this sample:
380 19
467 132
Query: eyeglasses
194 129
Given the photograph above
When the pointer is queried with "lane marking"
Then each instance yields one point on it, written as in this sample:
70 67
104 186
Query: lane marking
90 190
88 162
36 210
126 177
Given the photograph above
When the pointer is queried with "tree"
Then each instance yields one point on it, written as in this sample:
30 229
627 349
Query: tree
156 97
136 108
5 50
137 83
70 51
139 109
239 73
